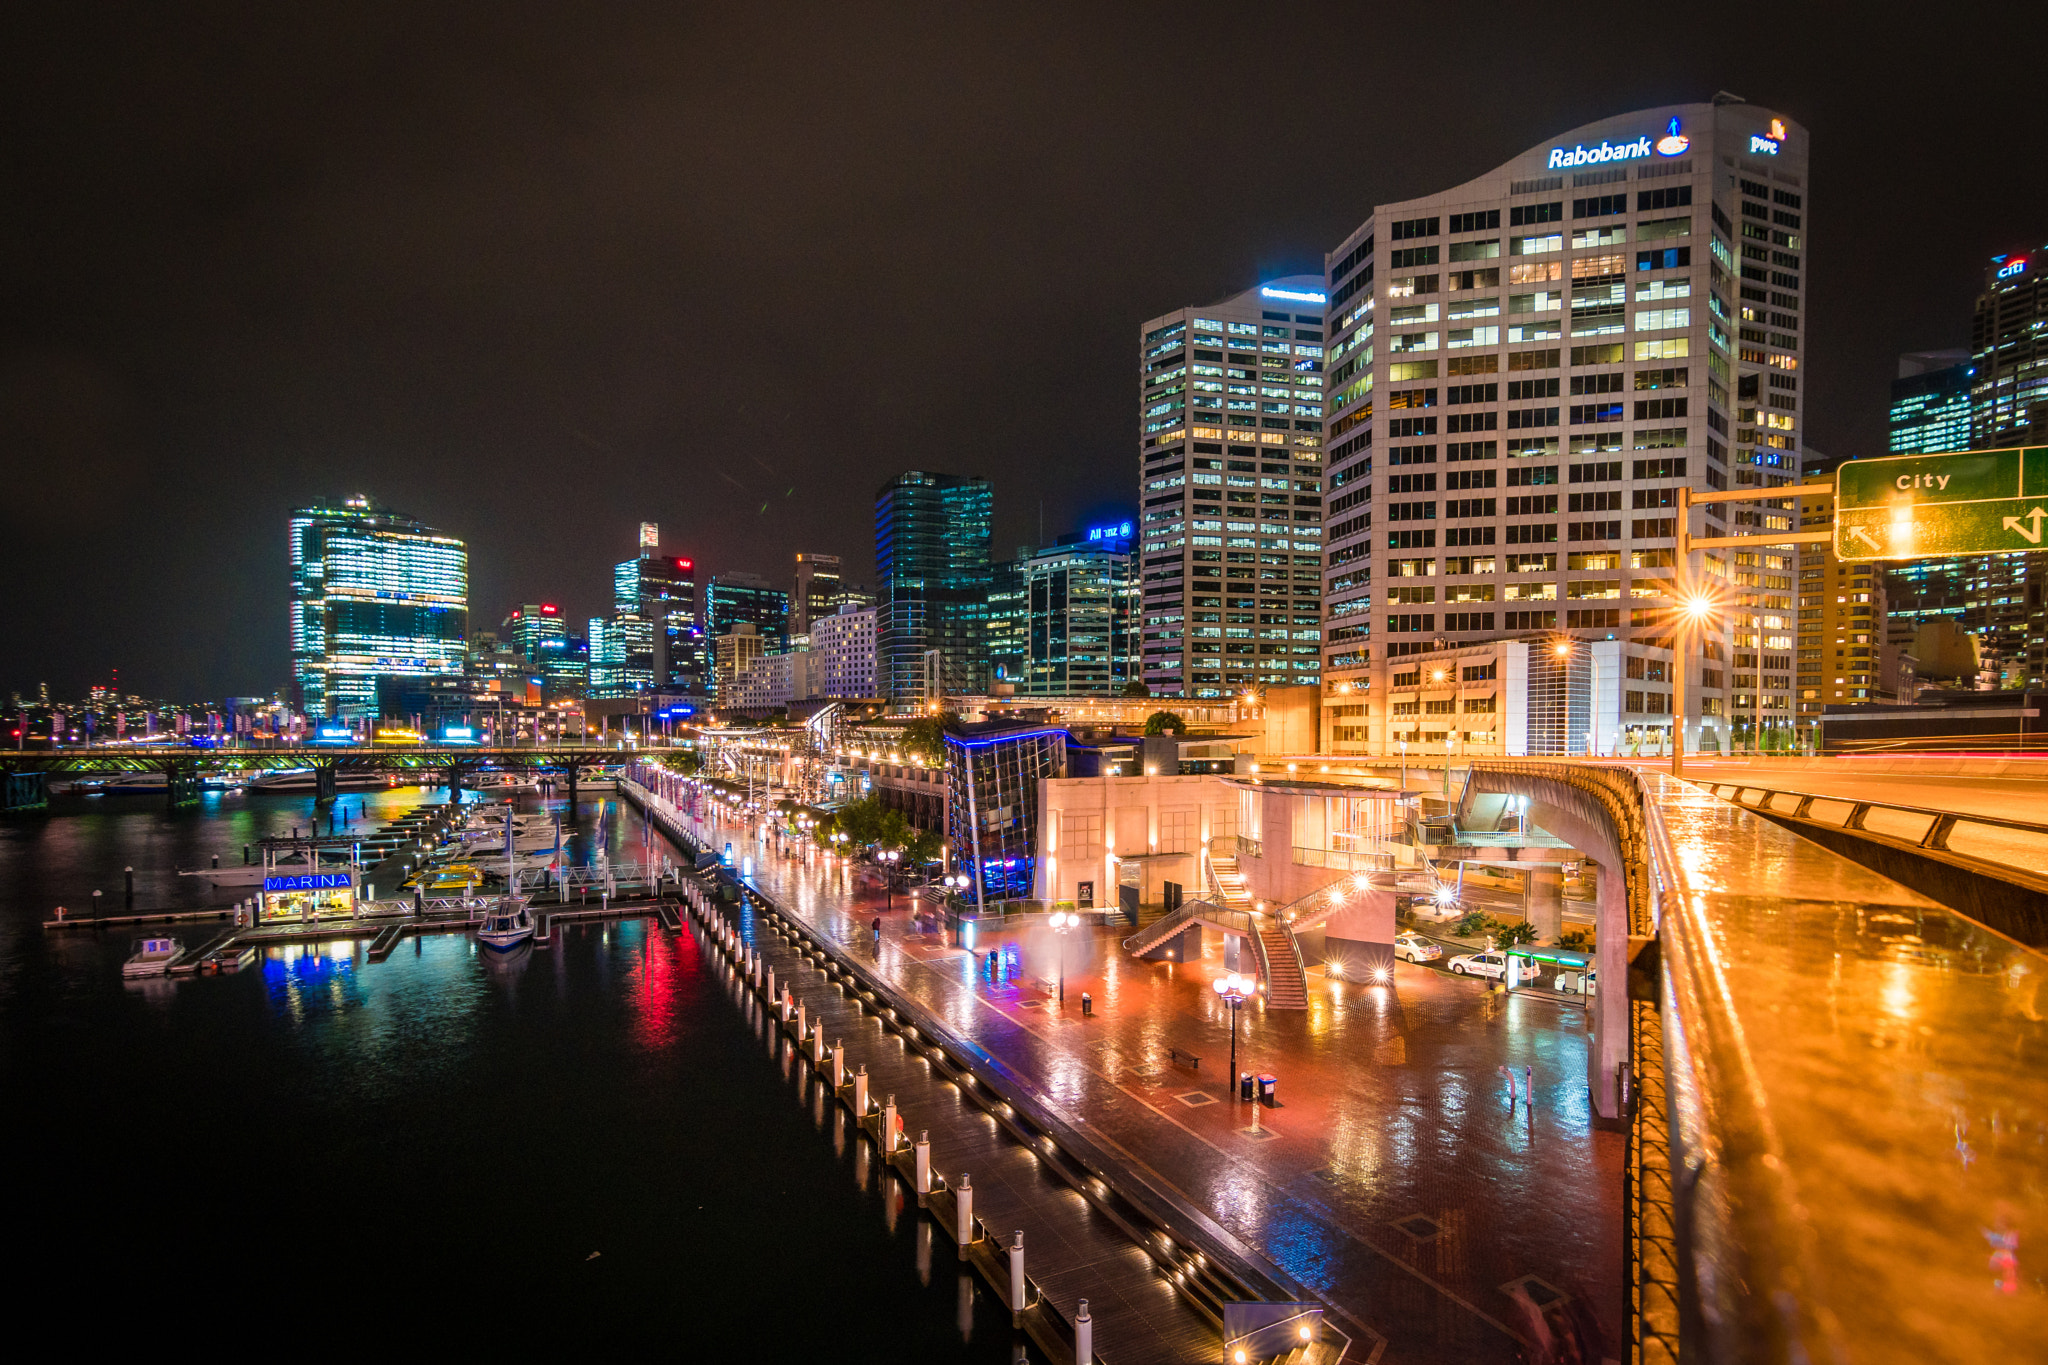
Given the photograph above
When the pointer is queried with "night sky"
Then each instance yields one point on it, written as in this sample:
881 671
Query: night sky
535 273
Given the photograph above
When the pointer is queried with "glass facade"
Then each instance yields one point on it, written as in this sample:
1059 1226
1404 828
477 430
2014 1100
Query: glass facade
1930 409
992 808
1231 408
1079 605
652 641
931 555
375 594
735 599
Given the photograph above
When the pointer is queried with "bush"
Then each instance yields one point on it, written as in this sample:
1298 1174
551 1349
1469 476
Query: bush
1575 939
1509 934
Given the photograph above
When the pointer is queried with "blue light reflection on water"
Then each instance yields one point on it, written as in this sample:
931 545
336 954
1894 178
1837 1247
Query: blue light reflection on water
402 1132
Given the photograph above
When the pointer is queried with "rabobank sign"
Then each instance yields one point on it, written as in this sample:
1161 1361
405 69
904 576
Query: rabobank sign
1671 144
1582 155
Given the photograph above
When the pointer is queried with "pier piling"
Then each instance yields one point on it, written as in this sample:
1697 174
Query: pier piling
921 1163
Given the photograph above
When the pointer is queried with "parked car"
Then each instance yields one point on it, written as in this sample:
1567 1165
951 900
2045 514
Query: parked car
1415 948
1494 965
1579 983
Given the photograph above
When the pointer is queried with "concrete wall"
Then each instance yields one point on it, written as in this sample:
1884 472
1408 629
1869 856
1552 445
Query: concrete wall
1159 822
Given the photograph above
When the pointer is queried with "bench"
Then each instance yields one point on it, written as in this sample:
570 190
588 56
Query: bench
1184 1058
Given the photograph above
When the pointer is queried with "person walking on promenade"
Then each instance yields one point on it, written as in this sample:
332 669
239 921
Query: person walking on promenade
877 926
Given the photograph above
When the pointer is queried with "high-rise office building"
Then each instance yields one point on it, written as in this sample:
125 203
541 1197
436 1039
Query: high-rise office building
733 599
931 556
819 582
1930 412
1080 615
375 594
2009 353
1930 409
1006 622
1996 598
733 652
1231 402
1524 369
653 642
540 636
844 646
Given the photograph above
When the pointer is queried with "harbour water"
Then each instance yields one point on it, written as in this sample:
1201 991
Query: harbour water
586 1145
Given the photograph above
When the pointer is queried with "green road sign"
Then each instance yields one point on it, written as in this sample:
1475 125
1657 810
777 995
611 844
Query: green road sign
1972 502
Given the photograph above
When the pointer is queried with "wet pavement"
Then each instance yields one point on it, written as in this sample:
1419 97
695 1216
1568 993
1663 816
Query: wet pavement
1400 1176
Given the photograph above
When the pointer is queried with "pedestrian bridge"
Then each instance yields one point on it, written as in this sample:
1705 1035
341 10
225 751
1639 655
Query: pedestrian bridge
1836 1089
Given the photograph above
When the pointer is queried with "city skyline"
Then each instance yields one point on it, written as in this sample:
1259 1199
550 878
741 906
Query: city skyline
359 366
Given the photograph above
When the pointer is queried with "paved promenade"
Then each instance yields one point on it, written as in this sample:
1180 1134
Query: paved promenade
1398 1177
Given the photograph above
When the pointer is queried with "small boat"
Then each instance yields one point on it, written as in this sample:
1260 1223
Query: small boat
506 927
153 957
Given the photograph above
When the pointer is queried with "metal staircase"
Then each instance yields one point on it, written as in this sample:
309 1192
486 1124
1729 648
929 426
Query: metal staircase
1227 885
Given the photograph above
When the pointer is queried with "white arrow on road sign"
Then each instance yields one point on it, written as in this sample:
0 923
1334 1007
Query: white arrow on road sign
2015 524
1868 539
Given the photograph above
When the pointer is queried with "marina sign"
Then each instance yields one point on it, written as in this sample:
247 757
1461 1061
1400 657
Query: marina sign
1921 506
312 881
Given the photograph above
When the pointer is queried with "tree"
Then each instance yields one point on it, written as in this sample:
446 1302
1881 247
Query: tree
925 738
1136 688
1165 723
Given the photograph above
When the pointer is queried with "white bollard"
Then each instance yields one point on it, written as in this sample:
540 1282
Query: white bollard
921 1162
838 1065
860 1093
963 1210
1017 1304
818 1046
1084 1336
889 1127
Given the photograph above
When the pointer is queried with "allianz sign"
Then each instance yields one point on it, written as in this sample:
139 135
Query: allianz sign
1594 155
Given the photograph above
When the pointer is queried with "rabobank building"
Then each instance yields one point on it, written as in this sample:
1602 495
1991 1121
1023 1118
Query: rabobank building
1522 371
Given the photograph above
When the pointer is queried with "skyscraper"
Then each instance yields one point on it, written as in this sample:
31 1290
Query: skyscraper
1080 615
653 641
931 555
375 594
818 584
1523 371
1930 409
2009 353
1230 431
1996 598
541 638
733 599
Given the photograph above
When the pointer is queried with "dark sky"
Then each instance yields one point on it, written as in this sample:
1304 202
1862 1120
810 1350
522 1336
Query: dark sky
537 272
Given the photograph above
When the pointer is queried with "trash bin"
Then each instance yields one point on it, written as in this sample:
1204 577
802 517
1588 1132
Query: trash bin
1087 1003
1269 1091
1246 1086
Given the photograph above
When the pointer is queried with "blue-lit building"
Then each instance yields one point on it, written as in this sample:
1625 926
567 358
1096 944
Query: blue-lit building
932 560
1930 409
993 772
652 641
375 594
1078 614
735 599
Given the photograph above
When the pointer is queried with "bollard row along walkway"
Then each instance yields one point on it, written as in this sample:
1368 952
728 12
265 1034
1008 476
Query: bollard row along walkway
1101 1271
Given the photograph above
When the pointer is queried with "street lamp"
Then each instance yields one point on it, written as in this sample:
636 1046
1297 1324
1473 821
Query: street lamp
1234 989
1692 615
1063 920
887 857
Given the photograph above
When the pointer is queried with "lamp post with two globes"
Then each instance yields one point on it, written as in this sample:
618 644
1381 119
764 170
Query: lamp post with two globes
1063 920
1234 990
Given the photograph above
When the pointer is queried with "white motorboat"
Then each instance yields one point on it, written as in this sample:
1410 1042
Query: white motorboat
239 876
506 927
153 957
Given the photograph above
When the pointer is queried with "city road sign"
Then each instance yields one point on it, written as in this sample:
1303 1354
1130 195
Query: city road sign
1971 502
